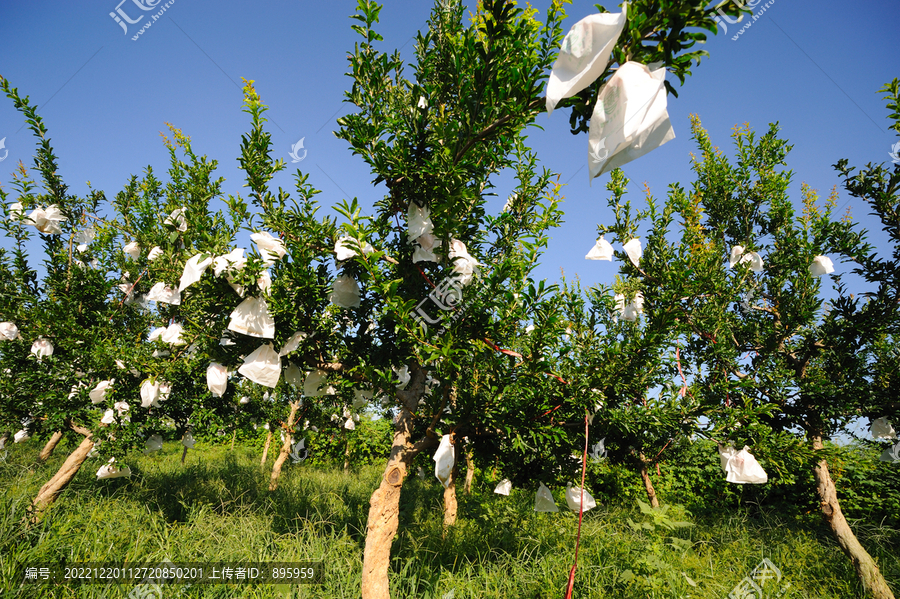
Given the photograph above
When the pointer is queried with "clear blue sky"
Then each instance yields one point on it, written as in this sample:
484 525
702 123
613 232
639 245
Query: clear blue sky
104 97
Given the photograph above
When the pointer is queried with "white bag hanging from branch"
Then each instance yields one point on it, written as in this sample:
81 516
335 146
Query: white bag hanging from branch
444 460
312 386
154 444
164 294
98 393
741 467
584 55
217 379
630 118
294 376
634 251
155 253
9 331
84 237
882 429
263 366
573 499
150 393
464 264
42 348
233 260
110 470
177 220
403 377
252 318
630 310
821 265
543 500
46 221
424 249
293 343
739 256
172 334
504 487
345 293
193 270
346 248
602 250
188 440
419 220
132 250
264 281
271 249
108 417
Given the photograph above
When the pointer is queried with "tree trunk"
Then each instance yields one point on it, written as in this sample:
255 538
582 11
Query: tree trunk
262 462
384 509
51 490
865 566
648 485
347 457
50 446
451 506
285 447
470 472
384 506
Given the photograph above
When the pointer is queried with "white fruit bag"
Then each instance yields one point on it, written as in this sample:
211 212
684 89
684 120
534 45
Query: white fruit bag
543 500
584 55
263 366
573 499
444 460
629 119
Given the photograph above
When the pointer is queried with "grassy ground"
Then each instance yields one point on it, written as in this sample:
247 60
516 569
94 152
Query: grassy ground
216 508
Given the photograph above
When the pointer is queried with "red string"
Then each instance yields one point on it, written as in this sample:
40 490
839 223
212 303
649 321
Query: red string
422 272
571 584
684 380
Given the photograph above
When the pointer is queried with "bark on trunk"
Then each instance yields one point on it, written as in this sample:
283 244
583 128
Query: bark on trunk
865 566
384 510
470 472
347 457
285 448
51 490
648 484
265 455
384 506
50 446
451 506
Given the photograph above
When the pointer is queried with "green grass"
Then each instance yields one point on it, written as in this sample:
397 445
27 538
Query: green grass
217 508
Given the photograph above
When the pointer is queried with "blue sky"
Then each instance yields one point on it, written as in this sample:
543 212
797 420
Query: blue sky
105 97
